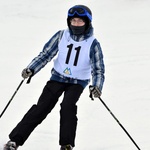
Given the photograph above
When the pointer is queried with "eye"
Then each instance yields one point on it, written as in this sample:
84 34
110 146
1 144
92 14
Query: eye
80 20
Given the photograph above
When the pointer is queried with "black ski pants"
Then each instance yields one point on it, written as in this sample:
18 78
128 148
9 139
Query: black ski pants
37 113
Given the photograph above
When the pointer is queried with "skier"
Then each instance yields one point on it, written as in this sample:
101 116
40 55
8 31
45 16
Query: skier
79 56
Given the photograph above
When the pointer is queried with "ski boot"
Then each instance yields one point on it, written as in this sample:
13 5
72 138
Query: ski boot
10 145
66 147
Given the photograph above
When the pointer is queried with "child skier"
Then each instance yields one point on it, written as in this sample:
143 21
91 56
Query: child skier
79 57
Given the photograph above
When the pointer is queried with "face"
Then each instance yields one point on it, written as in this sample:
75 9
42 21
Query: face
77 22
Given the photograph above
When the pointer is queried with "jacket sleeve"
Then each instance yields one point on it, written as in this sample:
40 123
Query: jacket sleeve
97 65
50 49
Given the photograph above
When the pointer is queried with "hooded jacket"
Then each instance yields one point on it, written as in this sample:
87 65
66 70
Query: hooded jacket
50 50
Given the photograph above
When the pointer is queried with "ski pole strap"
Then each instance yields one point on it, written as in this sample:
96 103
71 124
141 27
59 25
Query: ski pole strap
29 80
91 96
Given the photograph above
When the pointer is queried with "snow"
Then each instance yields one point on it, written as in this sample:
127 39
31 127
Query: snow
123 29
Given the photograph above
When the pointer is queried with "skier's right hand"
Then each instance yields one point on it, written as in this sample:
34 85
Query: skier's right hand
26 73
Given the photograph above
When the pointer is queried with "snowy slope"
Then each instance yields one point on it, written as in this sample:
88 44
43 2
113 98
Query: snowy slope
123 29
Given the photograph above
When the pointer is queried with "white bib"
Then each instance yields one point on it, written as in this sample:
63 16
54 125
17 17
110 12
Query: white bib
73 57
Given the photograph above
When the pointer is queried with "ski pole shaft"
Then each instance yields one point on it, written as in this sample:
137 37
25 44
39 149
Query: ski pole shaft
119 124
12 97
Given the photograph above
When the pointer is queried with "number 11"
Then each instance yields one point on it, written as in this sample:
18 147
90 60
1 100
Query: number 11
69 53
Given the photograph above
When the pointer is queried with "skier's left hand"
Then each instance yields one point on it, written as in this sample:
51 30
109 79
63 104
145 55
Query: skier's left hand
95 91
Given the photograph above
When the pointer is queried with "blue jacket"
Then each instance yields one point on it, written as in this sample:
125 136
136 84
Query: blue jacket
51 49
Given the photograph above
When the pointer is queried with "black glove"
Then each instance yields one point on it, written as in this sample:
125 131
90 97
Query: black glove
27 73
94 91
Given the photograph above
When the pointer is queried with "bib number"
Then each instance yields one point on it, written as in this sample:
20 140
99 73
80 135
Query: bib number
70 48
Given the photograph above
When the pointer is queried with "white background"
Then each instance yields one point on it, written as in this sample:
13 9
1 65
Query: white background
123 29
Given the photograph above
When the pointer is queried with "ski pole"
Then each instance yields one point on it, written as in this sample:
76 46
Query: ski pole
12 97
119 123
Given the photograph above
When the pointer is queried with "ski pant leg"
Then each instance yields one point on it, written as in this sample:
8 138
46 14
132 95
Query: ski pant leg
37 113
68 112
